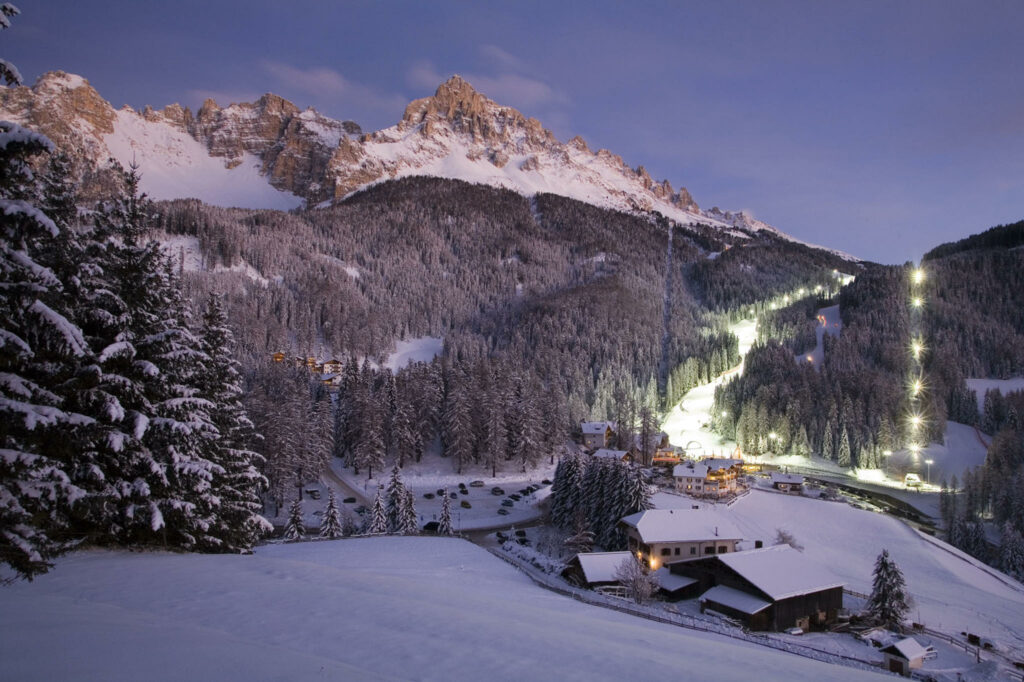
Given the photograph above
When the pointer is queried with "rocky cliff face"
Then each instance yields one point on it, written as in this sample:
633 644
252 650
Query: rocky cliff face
457 133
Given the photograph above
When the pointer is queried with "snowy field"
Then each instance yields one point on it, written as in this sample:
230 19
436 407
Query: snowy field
979 386
421 349
952 592
364 609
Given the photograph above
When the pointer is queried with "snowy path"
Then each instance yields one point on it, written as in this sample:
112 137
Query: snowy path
685 423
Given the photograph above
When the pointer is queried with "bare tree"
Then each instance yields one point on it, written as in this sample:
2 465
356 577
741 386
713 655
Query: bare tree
640 583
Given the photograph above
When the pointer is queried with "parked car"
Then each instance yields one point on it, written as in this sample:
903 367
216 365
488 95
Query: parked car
507 503
476 484
349 500
497 491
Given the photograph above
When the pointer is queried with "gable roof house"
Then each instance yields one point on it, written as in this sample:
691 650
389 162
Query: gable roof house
594 569
711 477
905 655
773 588
621 455
597 434
660 537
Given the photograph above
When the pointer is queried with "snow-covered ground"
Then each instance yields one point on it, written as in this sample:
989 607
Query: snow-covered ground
362 609
434 473
175 165
952 592
420 349
979 386
685 422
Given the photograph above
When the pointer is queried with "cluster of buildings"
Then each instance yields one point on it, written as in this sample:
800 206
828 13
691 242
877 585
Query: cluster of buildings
329 371
695 554
711 477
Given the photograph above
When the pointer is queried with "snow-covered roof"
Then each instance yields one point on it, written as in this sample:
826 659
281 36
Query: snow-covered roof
690 470
600 567
735 599
780 571
611 454
715 463
670 581
682 525
596 428
908 648
792 479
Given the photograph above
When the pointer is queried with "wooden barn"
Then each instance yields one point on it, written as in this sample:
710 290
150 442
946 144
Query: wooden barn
773 588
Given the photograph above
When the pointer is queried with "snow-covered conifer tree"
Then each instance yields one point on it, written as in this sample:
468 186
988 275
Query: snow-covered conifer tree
408 523
1011 552
378 521
239 523
295 528
889 601
444 524
40 350
843 454
395 501
330 523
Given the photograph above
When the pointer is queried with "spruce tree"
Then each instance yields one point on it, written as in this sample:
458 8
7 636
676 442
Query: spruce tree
378 521
843 455
40 350
889 602
408 522
1011 552
295 528
395 501
239 523
330 523
444 525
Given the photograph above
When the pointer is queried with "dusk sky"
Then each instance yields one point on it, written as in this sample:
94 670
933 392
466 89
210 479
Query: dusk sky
878 128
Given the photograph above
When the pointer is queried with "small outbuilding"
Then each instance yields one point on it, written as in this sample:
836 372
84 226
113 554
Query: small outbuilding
787 483
904 656
594 569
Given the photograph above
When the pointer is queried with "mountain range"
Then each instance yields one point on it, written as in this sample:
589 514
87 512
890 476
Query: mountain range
272 154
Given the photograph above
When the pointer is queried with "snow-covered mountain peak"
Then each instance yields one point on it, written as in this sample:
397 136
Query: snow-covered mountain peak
286 154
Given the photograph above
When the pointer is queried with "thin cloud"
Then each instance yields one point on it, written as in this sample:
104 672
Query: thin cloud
334 94
501 58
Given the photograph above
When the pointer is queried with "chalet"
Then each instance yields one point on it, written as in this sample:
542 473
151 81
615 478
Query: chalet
660 537
656 443
278 356
773 588
711 477
621 455
332 379
333 366
787 483
594 569
905 655
597 434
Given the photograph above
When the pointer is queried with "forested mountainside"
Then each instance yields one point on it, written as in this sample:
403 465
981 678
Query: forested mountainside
863 401
567 289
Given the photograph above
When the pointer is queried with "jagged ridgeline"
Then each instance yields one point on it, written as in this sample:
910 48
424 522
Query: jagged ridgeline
573 291
971 325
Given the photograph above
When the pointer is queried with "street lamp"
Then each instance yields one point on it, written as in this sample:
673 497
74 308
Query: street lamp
918 276
928 476
917 302
773 437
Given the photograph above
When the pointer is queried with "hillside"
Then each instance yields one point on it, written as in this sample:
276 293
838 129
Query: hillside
367 609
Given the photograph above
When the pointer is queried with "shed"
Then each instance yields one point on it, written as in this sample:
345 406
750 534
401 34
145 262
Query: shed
594 569
904 656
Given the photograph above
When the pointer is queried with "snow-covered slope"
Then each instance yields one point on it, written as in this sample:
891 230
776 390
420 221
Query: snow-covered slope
364 609
175 165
